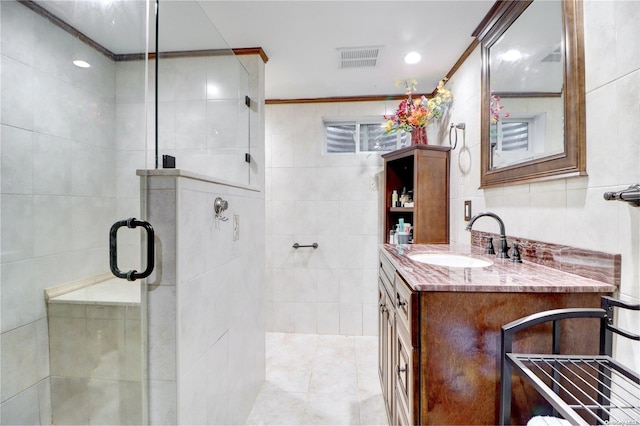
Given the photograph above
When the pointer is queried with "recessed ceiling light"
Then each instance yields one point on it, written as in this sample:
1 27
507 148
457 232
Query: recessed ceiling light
81 64
412 58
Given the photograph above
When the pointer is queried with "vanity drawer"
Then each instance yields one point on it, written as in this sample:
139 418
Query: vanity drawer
387 273
407 309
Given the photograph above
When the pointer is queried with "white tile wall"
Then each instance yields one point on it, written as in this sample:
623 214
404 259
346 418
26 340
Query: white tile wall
314 197
206 297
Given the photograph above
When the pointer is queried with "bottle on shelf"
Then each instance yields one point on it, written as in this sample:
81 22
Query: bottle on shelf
394 198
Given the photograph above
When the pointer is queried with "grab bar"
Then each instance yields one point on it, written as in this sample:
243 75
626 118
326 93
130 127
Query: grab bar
297 246
113 249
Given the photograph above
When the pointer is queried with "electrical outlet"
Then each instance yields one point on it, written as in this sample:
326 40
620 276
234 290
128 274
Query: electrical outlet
467 210
236 227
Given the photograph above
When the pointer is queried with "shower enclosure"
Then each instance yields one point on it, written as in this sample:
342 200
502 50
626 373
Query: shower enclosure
88 98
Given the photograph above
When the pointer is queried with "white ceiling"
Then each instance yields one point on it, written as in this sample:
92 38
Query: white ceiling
300 37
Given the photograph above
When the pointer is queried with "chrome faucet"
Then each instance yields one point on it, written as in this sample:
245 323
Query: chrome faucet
502 245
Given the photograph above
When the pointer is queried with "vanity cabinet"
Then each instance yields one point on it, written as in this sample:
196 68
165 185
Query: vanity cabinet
440 350
386 333
423 169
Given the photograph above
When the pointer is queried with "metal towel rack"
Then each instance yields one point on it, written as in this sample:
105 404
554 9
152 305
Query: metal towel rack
297 246
631 195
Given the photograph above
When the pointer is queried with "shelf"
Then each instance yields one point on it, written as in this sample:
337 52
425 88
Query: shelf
401 209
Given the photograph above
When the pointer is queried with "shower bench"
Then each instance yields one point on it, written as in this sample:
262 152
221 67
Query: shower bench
583 389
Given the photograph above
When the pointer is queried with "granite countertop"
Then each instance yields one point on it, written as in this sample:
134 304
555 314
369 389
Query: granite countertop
503 276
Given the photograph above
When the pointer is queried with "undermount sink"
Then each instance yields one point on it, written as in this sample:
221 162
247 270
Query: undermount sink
451 260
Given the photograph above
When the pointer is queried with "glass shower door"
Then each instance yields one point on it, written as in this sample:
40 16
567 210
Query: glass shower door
74 120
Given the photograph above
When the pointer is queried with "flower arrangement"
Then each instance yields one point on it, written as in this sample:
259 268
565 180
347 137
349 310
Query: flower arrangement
419 112
495 108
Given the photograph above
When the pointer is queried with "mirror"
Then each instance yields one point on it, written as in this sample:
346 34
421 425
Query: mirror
532 90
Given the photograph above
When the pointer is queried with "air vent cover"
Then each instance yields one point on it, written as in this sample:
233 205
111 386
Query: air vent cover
358 57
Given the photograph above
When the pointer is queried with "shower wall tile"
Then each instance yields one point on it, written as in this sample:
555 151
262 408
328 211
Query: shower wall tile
162 395
190 124
217 382
17 160
53 112
68 336
22 409
20 295
130 83
161 327
44 402
70 400
100 79
17 227
42 348
52 223
17 94
92 170
223 76
216 300
93 118
315 197
51 165
18 20
19 362
53 50
130 127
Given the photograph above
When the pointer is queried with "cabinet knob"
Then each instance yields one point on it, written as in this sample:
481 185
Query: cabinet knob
400 303
401 369
383 308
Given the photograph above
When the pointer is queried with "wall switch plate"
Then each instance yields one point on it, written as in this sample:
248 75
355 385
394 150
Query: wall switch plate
236 227
467 210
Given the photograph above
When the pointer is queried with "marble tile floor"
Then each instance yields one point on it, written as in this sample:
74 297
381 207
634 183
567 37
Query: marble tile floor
320 380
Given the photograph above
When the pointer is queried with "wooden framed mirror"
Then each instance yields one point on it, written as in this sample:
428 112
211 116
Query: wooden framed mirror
532 92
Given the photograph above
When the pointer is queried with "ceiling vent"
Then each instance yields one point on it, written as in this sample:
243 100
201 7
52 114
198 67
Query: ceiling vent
358 57
554 56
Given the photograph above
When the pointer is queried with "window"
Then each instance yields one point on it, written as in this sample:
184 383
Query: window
515 136
360 136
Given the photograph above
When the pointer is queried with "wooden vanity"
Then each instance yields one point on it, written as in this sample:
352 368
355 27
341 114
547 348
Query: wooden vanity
439 331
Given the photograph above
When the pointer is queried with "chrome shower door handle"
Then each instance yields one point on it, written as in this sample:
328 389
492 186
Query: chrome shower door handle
113 249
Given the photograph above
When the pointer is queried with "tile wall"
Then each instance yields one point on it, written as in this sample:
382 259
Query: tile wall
95 364
328 199
202 117
206 298
205 303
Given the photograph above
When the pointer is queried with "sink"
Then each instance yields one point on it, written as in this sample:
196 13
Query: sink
451 260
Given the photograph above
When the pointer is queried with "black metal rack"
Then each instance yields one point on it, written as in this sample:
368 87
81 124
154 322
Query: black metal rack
584 389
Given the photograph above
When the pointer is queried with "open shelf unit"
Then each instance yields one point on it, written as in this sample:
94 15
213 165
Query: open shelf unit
425 170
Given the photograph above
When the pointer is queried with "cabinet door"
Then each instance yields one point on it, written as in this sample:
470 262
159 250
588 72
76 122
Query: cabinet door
385 346
404 374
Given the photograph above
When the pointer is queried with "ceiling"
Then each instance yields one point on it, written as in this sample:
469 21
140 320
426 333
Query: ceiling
301 38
